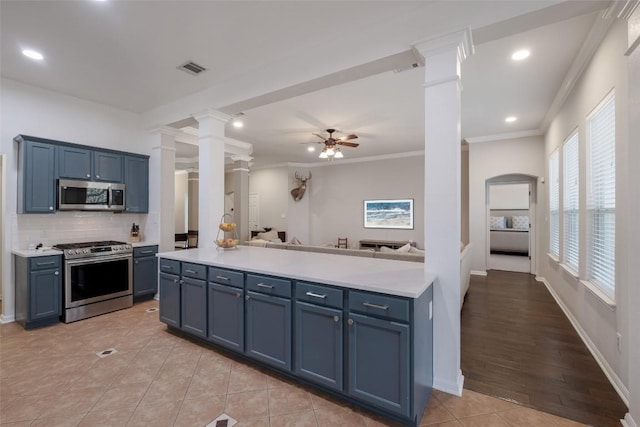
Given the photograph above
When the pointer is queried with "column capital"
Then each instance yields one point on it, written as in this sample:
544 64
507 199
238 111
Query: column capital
164 130
212 114
462 41
241 158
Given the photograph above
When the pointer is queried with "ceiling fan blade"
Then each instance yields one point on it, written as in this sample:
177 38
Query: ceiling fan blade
319 136
348 137
347 144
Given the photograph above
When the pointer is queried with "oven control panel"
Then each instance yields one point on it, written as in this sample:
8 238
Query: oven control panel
98 251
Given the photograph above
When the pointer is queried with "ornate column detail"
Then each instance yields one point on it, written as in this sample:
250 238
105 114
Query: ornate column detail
442 87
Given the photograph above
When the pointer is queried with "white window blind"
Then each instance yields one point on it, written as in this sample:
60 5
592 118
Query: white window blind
570 202
554 204
601 197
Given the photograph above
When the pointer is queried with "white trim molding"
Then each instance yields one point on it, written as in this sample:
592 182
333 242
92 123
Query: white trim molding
628 421
449 387
613 378
503 136
479 272
7 319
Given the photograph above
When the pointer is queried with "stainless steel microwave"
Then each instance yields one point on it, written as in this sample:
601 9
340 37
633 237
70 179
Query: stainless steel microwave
90 196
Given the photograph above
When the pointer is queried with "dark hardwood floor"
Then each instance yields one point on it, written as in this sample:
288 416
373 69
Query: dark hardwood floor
517 344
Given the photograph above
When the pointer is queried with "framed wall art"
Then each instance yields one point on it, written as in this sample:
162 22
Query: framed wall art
393 213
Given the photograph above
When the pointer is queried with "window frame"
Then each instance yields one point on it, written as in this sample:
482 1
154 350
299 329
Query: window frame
554 204
571 204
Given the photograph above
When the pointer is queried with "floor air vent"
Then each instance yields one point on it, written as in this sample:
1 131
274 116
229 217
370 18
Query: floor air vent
192 68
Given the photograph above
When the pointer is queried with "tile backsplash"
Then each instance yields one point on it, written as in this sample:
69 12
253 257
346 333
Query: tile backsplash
70 227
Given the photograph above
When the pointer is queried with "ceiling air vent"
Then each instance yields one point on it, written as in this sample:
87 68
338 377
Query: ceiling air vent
192 68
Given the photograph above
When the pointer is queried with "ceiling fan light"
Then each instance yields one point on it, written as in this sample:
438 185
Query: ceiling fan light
330 151
338 154
323 155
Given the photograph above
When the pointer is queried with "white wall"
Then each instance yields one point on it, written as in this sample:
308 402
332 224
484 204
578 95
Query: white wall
487 160
633 159
509 196
597 321
273 187
181 201
32 111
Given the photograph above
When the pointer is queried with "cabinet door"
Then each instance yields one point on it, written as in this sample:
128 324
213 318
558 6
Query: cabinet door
74 163
169 288
136 181
39 178
107 166
226 316
194 306
44 294
145 271
318 344
379 362
268 321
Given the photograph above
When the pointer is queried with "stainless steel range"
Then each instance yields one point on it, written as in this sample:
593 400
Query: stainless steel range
98 278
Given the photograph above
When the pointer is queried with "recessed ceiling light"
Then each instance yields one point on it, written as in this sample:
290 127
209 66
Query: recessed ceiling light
511 119
311 149
521 54
237 124
30 53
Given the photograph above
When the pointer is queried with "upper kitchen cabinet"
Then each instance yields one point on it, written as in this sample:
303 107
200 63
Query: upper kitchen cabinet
94 165
136 181
36 181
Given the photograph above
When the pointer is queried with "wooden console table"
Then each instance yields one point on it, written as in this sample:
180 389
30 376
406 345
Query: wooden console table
376 244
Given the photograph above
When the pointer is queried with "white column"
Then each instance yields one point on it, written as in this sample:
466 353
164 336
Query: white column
162 167
632 418
211 167
443 57
241 195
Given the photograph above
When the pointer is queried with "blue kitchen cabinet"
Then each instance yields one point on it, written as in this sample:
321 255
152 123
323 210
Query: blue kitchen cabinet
379 362
36 178
193 297
318 344
169 289
136 181
226 316
145 272
268 329
76 162
38 296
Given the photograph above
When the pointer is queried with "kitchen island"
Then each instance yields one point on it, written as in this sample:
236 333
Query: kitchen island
359 328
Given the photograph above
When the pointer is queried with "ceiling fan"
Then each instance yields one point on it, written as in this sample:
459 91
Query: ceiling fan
330 150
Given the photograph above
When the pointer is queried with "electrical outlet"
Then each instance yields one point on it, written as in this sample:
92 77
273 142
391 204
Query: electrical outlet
619 342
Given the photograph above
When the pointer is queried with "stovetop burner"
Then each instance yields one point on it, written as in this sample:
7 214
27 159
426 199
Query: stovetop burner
64 246
93 249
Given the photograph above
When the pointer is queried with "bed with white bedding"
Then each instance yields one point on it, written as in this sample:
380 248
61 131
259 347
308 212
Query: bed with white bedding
509 232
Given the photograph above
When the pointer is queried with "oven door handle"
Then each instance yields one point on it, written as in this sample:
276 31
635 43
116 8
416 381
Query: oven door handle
98 259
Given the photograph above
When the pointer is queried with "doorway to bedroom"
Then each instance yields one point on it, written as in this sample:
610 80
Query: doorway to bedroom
510 223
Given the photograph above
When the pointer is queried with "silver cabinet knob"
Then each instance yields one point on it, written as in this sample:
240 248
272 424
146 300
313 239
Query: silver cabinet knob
247 297
137 262
350 322
336 318
97 176
57 273
175 280
50 208
238 295
88 175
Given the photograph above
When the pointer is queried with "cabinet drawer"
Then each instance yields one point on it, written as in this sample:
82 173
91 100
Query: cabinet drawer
319 294
170 266
226 277
145 251
269 285
196 271
379 305
44 262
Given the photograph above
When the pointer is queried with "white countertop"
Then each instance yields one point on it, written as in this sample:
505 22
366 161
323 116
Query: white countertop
32 252
401 278
145 243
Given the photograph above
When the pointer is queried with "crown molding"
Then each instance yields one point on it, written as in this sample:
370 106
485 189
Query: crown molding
503 136
461 40
598 31
213 114
241 158
164 130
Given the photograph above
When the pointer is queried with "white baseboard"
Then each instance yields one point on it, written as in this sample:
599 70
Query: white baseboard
449 386
479 272
613 378
628 421
7 319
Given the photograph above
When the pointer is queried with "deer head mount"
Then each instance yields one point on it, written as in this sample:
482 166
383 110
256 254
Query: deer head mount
298 192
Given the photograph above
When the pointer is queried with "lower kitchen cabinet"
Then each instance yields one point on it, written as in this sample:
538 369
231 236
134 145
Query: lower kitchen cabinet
318 349
38 292
268 327
193 299
379 362
169 289
145 272
226 316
